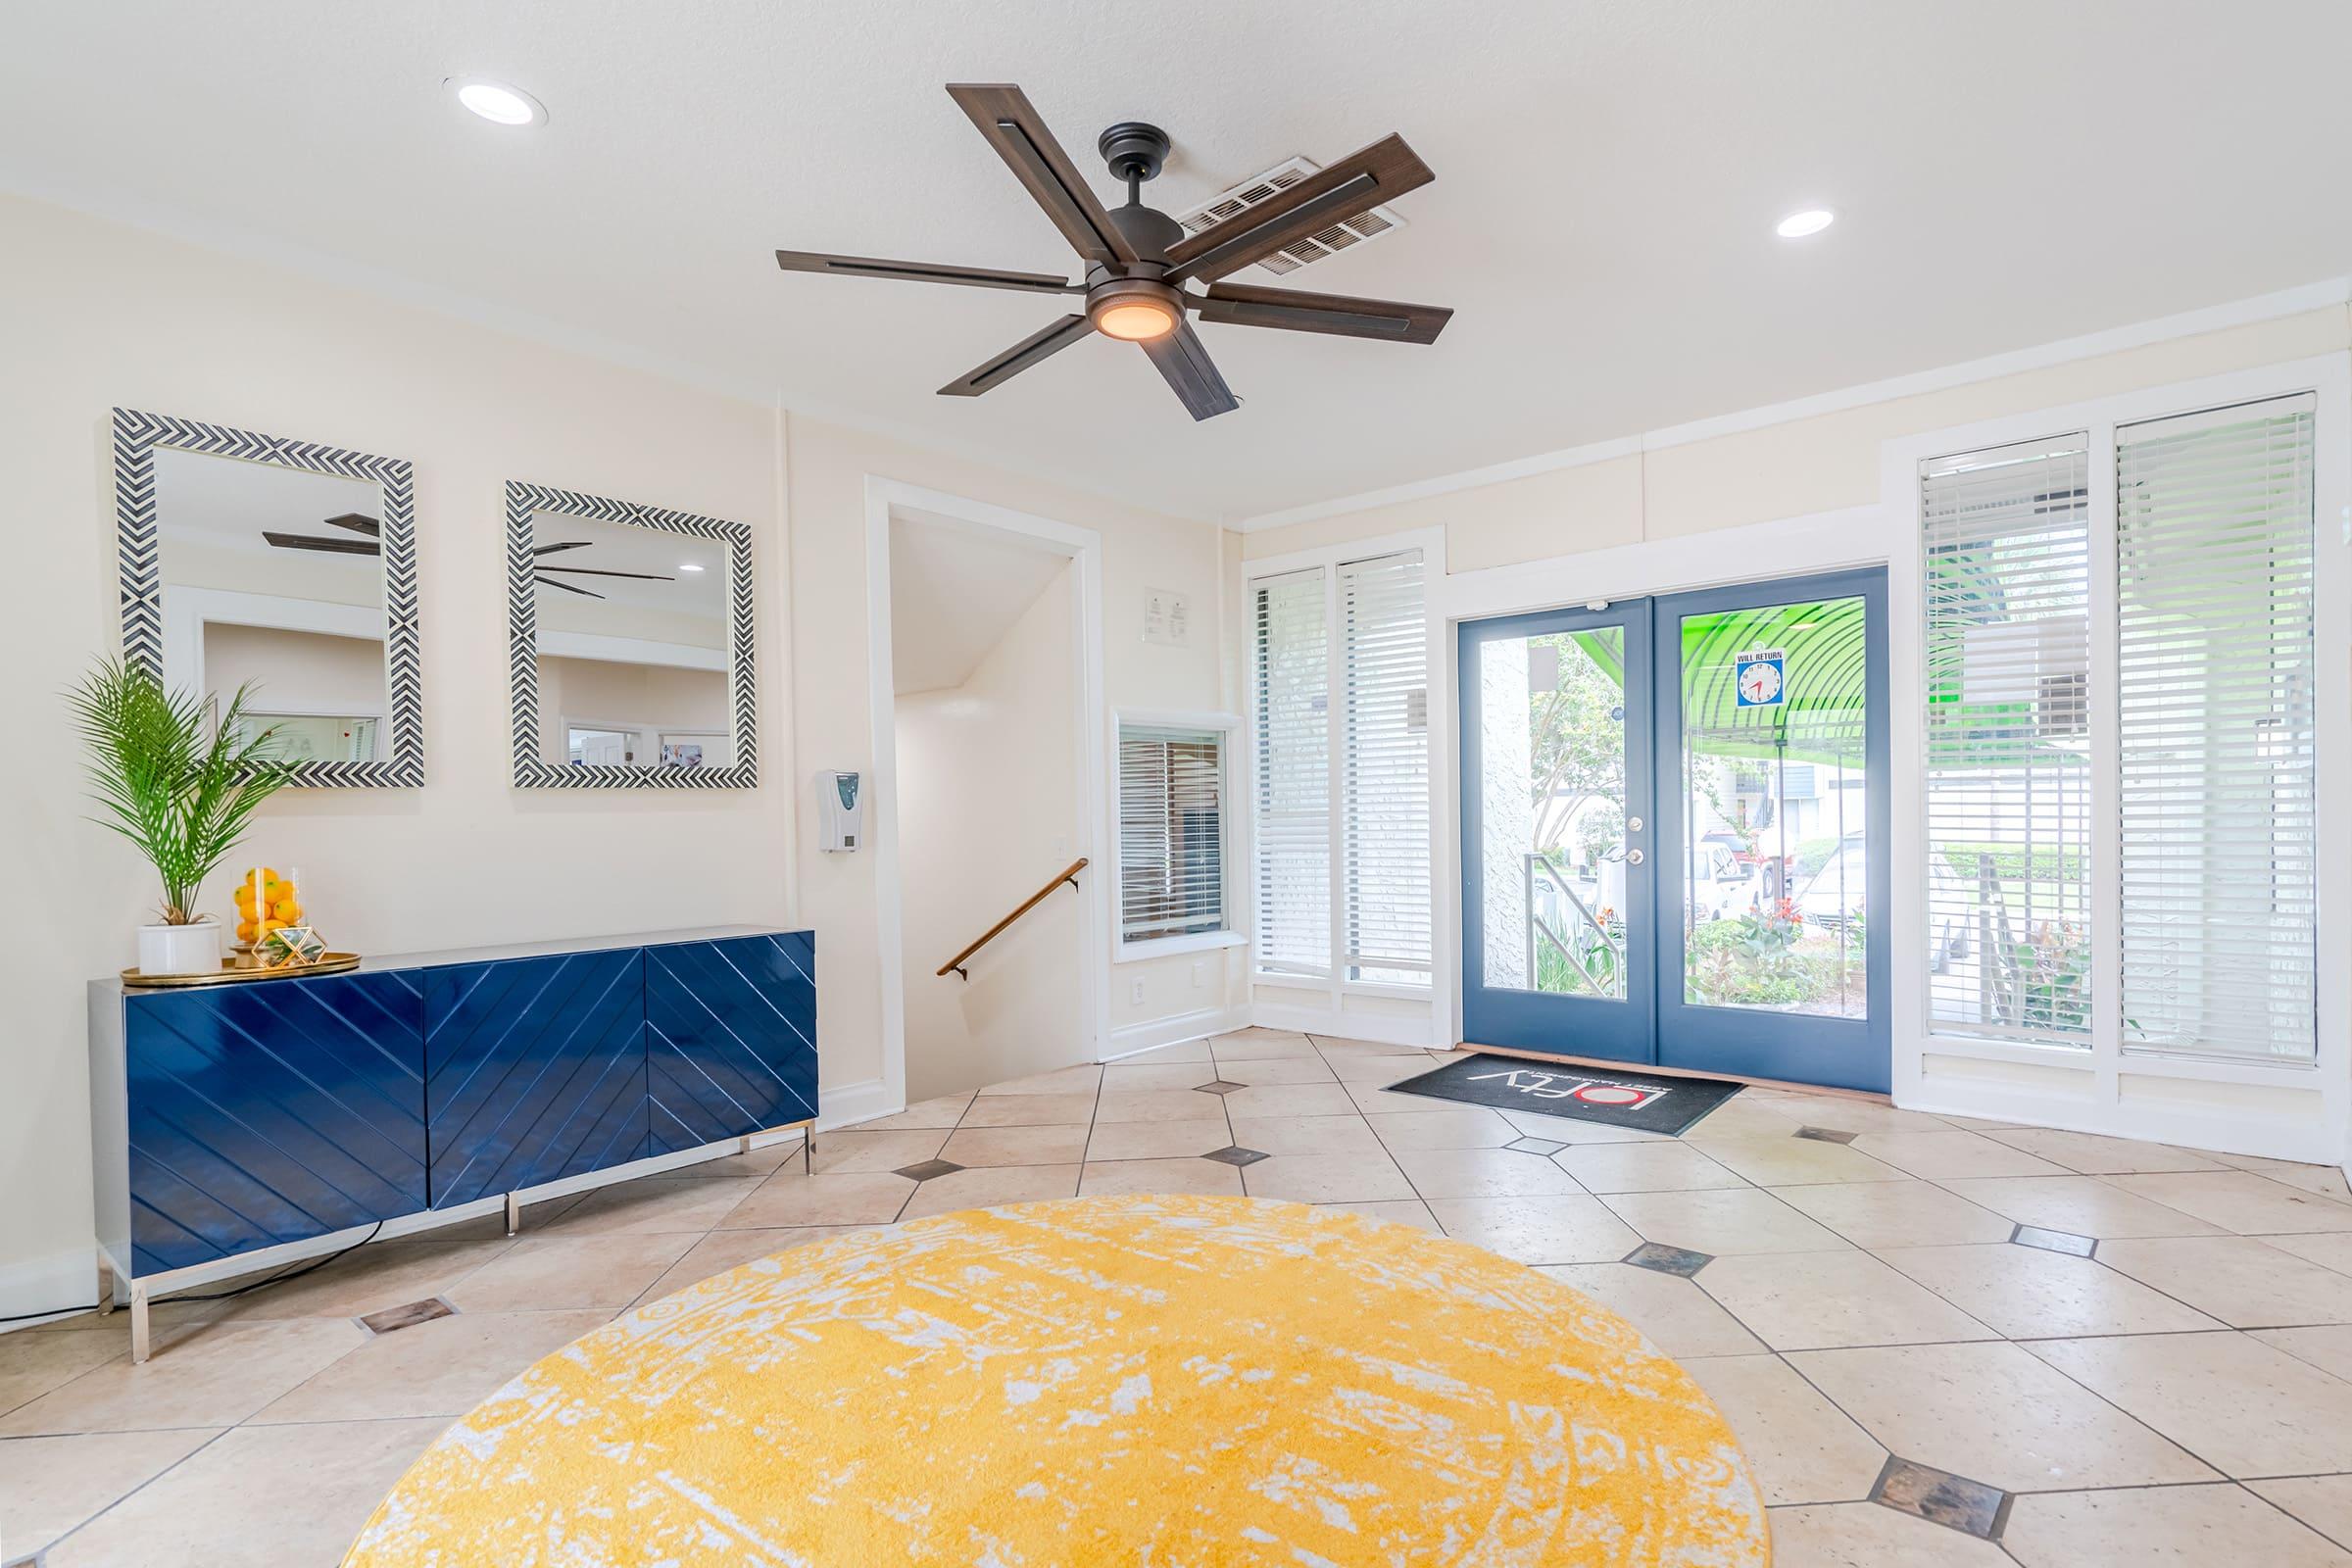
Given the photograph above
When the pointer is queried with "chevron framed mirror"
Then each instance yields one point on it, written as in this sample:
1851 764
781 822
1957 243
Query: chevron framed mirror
285 567
629 641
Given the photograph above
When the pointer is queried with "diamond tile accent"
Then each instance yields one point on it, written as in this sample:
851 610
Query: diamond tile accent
406 1317
1234 1155
1825 1135
1942 1498
1217 1086
2055 1241
1677 1261
927 1169
1535 1145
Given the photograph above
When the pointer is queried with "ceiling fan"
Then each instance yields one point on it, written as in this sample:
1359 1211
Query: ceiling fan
1137 259
373 545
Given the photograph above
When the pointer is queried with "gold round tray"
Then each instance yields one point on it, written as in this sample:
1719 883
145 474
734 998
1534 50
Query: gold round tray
229 975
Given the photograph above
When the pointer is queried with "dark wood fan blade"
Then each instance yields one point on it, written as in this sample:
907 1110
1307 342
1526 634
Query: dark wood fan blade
924 272
591 571
1013 361
550 582
570 544
1192 373
1242 305
1018 133
1380 172
331 547
355 523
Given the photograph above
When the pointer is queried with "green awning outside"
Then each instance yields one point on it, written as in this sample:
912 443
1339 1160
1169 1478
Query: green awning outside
1820 717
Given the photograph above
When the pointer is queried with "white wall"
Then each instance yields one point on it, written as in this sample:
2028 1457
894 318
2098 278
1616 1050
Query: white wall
988 809
96 315
827 466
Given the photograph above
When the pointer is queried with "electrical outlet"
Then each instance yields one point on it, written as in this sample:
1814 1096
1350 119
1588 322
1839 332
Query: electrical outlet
1199 973
1134 993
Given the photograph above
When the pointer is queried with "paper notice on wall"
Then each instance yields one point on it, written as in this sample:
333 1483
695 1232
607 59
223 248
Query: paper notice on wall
1167 618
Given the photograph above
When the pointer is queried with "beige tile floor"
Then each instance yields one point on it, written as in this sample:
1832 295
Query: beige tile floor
2180 1395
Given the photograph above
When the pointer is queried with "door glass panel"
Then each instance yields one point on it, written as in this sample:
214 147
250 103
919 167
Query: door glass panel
1552 715
1772 871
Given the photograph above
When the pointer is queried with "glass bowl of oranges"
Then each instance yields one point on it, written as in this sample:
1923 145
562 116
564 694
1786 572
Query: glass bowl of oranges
266 902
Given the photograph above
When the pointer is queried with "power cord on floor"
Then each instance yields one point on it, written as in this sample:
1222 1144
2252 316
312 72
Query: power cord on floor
220 1295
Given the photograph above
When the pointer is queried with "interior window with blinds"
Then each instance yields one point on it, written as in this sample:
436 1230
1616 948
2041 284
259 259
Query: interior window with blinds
1172 832
1290 672
1385 769
1339 670
2008 732
2214 562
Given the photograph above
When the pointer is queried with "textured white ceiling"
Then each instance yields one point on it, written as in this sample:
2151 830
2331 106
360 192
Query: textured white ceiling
953 595
2008 171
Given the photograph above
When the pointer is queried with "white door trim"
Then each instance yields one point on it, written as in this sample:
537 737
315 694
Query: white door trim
1084 547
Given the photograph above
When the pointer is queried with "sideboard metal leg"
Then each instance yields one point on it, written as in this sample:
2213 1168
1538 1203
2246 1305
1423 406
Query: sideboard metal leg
139 1344
743 1145
808 1149
514 1213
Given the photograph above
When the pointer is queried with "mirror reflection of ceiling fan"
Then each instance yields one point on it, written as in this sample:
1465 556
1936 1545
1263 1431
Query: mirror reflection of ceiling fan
373 545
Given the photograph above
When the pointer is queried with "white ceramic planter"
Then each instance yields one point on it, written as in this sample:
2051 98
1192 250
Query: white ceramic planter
180 948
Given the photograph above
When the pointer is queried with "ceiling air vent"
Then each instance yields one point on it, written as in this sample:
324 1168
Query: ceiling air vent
1357 229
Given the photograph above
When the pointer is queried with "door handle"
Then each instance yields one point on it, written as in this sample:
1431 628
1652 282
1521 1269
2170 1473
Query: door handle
1633 857
1633 824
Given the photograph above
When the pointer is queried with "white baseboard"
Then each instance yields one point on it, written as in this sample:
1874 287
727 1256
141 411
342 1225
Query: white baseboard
1386 1029
38 1284
856 1102
1173 1030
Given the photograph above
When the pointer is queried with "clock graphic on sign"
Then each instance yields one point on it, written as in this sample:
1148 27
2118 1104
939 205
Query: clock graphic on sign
1760 683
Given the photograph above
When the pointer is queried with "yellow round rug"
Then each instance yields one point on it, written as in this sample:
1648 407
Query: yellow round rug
1144 1382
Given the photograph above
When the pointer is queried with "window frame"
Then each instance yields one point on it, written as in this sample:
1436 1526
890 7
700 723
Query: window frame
1226 727
2113 1088
1282 988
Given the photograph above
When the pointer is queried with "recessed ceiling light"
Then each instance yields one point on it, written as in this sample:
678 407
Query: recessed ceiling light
498 103
688 565
1812 221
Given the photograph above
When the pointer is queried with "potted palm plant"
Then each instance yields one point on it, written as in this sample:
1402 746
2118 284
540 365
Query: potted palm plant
180 787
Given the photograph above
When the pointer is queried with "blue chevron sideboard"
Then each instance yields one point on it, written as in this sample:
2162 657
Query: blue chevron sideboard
731 1037
230 1120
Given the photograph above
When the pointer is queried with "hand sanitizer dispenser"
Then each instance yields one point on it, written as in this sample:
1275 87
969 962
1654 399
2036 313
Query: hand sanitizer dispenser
840 812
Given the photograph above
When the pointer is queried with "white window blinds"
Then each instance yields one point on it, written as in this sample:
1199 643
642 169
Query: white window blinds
2214 545
1172 832
1290 670
1384 770
2007 668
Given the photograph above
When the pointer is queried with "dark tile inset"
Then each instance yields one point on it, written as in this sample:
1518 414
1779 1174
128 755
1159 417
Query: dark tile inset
2055 1241
406 1317
1969 1507
1234 1155
927 1169
1217 1086
1825 1135
1535 1145
1677 1261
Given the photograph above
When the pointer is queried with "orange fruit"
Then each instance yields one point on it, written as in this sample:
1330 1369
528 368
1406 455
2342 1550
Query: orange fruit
286 910
245 931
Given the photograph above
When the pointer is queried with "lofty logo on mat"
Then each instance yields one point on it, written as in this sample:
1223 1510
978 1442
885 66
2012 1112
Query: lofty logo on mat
1591 1091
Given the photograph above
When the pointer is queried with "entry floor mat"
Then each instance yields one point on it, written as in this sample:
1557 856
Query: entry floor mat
1618 1096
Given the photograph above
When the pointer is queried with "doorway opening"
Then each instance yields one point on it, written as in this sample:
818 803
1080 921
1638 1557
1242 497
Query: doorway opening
987 780
1674 830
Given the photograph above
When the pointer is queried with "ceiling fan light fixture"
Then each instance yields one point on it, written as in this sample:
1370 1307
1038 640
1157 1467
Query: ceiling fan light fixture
1135 310
1136 322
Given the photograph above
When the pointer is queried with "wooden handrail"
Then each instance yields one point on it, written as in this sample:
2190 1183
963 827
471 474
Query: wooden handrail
1068 873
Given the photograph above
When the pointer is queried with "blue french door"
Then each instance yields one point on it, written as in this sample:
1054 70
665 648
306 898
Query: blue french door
1557 896
1674 830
